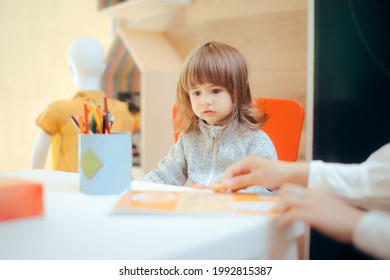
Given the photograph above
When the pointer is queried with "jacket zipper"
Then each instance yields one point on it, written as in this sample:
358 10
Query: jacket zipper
214 151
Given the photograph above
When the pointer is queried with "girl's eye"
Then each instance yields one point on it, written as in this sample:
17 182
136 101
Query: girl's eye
195 93
216 90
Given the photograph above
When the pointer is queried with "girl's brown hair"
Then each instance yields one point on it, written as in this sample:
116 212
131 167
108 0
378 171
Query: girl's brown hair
222 65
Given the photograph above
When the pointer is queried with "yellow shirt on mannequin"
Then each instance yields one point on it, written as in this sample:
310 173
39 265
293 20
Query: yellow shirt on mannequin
55 121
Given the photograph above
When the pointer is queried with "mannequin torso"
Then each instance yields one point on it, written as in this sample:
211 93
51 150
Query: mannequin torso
86 63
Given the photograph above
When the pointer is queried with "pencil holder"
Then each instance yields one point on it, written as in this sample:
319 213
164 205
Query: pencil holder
105 162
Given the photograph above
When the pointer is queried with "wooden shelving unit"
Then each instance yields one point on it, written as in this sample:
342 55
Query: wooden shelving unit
121 73
157 64
104 4
154 15
121 80
136 10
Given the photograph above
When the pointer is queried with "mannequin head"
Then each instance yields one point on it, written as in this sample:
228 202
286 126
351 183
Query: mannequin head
86 63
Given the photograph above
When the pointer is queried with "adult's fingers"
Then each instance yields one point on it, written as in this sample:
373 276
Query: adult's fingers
239 182
291 196
236 169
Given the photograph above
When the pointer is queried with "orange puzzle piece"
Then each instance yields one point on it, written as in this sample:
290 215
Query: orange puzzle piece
20 198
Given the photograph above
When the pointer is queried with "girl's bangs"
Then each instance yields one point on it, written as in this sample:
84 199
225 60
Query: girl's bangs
203 70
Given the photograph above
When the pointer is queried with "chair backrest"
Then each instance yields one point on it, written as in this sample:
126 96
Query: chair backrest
283 126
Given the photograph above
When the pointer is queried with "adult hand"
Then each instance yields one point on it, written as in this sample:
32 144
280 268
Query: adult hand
326 213
265 172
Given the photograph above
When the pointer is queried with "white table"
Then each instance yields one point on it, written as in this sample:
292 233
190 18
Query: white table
77 226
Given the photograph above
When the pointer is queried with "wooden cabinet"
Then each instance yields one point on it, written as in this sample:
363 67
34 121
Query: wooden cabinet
143 66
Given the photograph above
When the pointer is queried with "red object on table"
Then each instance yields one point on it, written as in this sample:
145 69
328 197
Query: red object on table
20 199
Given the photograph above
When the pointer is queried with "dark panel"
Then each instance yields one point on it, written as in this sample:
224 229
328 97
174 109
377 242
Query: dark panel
352 79
324 248
351 91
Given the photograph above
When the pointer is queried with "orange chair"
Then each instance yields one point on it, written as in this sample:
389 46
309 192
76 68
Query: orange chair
283 126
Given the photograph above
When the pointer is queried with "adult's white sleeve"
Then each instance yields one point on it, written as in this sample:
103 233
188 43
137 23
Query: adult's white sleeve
368 180
372 234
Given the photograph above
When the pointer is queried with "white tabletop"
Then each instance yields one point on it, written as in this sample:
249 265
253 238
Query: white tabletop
79 226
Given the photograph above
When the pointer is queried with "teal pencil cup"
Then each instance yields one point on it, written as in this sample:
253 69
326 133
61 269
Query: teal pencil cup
105 162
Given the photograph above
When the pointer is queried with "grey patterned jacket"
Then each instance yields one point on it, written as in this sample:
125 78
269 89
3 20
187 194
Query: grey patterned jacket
202 156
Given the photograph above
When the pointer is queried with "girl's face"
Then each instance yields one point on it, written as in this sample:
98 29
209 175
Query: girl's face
211 103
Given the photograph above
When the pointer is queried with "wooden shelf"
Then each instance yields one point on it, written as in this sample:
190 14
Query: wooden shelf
151 50
156 67
121 73
121 80
102 4
136 10
158 63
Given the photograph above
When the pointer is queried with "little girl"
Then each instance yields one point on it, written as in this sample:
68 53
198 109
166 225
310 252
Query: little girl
220 125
